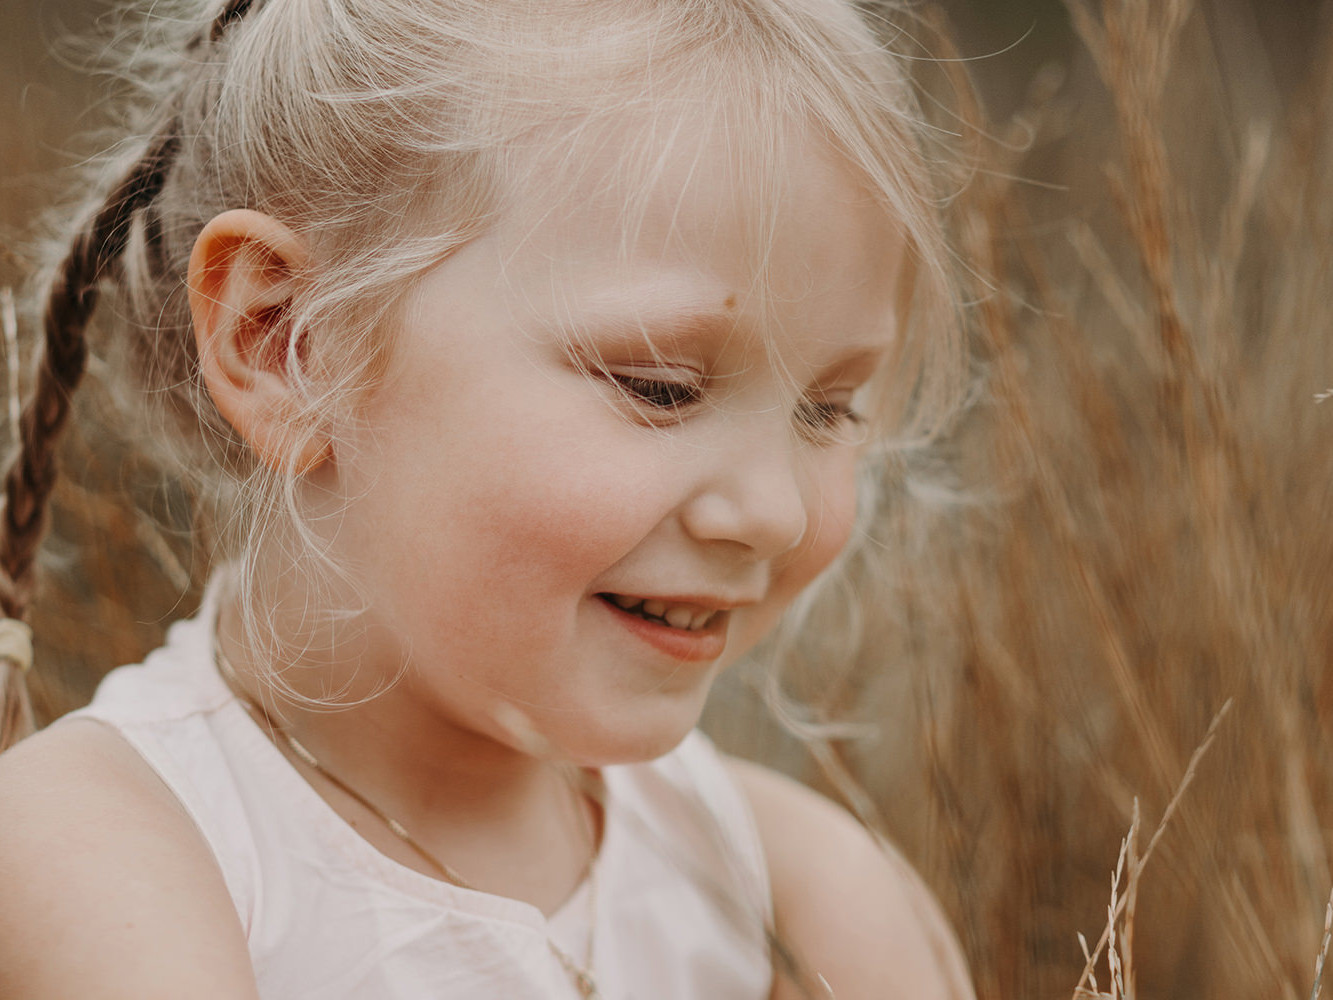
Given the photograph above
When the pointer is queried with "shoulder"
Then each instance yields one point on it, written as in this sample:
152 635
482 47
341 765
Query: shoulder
99 860
850 909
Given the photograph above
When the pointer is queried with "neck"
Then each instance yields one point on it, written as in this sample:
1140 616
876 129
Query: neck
505 820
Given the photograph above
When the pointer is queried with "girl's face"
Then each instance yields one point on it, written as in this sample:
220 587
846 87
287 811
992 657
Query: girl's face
601 465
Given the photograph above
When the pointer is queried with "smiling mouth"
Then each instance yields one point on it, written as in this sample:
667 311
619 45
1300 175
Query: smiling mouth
686 618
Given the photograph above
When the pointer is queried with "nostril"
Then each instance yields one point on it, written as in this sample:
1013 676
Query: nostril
766 516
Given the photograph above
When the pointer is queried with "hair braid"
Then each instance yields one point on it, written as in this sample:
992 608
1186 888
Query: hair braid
70 304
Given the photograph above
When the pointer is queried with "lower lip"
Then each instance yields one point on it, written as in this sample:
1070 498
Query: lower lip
696 646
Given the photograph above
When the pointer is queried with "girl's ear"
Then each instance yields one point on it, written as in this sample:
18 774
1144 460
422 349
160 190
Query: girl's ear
241 280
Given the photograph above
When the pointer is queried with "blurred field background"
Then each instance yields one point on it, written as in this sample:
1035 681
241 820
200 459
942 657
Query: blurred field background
1127 531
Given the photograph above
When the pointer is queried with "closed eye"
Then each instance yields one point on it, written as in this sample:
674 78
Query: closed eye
827 421
660 394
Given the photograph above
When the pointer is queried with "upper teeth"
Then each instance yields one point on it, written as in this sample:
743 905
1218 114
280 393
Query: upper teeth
676 615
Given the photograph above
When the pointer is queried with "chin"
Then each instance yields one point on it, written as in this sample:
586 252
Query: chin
619 730
626 743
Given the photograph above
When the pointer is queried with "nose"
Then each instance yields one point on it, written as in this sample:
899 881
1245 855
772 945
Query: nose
753 496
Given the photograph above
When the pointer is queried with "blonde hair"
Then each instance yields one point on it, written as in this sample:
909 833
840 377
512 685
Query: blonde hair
382 132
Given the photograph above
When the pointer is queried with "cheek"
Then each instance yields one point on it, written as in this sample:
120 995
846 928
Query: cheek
832 517
557 509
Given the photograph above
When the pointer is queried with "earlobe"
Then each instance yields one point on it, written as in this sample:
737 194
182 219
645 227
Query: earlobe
243 273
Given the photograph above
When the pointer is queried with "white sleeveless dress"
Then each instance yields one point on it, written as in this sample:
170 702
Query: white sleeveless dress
682 889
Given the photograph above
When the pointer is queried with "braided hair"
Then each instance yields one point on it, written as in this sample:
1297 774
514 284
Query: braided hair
70 302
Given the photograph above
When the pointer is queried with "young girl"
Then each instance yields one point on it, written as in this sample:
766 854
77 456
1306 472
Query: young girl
528 352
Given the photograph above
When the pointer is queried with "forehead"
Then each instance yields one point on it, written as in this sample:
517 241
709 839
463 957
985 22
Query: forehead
688 208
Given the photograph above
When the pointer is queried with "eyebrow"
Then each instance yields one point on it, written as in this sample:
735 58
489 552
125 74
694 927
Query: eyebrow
642 335
665 327
859 359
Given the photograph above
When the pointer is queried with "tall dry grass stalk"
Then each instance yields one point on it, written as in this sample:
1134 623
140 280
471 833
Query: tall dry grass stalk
1117 940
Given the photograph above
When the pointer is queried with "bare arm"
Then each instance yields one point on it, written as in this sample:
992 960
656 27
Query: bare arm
109 890
855 914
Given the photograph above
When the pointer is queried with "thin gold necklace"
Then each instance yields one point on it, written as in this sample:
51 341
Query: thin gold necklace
580 975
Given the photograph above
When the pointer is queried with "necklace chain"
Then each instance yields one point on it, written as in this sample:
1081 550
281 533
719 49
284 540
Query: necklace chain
580 975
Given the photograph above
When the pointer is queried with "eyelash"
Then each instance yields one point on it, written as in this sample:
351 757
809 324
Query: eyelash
819 419
656 393
825 420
